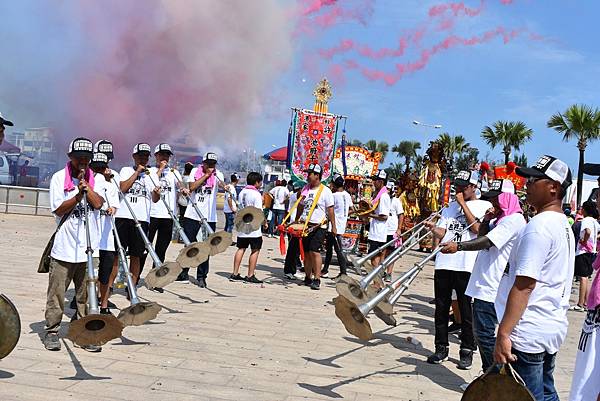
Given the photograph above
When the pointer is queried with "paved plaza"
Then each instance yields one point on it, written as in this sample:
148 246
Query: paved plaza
232 341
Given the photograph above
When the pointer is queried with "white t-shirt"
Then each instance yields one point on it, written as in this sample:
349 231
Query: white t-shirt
325 201
292 201
544 251
341 205
592 225
168 190
395 211
230 194
491 263
206 200
70 242
108 192
250 197
139 196
378 229
454 221
279 194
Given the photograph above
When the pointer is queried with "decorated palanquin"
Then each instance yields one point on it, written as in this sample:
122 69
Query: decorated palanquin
360 163
313 136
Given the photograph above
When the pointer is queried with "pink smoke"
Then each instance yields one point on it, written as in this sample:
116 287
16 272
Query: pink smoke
314 6
322 14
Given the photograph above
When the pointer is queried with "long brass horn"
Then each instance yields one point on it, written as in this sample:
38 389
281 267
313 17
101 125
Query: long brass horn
193 253
94 328
137 313
354 317
218 241
10 326
162 274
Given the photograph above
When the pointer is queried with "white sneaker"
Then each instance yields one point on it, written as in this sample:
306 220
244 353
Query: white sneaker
577 308
299 276
325 275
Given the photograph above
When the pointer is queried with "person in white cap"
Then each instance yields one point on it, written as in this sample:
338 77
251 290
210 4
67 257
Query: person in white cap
68 255
342 202
452 271
314 210
160 219
3 123
140 192
497 235
378 216
533 298
394 227
204 188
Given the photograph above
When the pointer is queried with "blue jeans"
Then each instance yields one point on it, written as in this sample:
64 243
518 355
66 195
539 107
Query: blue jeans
229 217
278 216
536 370
191 228
484 330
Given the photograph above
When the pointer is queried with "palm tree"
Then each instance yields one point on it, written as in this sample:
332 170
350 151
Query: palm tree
394 171
454 146
582 123
408 150
355 142
521 160
509 134
374 146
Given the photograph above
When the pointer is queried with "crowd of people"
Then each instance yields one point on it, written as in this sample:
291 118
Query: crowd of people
510 276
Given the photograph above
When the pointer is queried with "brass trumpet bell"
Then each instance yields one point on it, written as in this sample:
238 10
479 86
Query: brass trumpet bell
249 219
353 320
162 275
94 329
10 326
193 254
138 314
218 242
350 289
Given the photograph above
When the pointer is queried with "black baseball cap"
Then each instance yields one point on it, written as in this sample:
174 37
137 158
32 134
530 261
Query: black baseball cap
163 147
548 167
5 122
465 178
99 160
380 175
497 187
314 168
338 180
141 148
81 147
210 157
106 147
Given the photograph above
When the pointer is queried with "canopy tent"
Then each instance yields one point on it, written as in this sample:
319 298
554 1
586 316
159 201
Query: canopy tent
8 147
279 154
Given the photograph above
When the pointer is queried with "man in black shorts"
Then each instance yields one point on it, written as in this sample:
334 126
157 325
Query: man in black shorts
314 210
586 251
249 196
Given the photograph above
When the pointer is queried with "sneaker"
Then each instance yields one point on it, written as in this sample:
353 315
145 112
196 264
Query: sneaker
236 277
324 274
307 281
440 355
454 328
466 359
577 308
387 278
252 279
105 311
202 282
298 276
51 342
289 276
183 280
316 284
157 289
91 348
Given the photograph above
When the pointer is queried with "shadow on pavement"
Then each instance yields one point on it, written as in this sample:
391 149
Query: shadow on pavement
80 372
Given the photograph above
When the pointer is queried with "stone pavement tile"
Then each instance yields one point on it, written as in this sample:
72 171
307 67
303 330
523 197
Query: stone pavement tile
128 393
23 392
200 377
229 392
36 379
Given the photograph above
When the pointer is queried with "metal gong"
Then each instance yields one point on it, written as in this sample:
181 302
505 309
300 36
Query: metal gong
10 326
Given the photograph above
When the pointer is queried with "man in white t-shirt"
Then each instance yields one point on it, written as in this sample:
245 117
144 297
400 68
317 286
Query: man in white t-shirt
249 196
292 256
314 210
394 224
497 235
107 254
533 298
342 202
139 192
280 195
452 271
68 255
204 189
161 223
230 206
378 217
586 251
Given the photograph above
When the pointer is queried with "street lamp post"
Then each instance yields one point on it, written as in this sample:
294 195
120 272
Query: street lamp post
436 126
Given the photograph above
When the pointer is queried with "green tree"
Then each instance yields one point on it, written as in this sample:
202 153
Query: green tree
508 134
579 122
355 142
407 150
454 147
394 170
521 160
374 146
467 159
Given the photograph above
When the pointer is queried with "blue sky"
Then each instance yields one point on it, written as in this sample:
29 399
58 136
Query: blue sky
550 66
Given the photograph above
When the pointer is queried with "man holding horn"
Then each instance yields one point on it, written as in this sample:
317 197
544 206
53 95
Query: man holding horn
379 215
